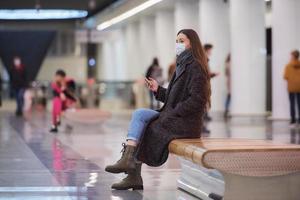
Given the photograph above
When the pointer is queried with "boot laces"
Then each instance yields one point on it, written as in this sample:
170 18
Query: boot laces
123 149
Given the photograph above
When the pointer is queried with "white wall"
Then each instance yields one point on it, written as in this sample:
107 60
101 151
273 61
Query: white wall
214 29
75 67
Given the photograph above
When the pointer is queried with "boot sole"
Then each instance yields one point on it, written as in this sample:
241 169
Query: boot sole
118 171
138 187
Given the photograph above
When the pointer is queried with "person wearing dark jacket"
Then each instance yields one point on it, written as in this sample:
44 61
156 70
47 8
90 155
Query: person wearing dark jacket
154 71
185 100
18 81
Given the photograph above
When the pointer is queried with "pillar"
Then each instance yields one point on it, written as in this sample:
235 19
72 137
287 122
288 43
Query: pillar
248 50
133 52
214 29
285 38
186 15
147 41
113 65
165 38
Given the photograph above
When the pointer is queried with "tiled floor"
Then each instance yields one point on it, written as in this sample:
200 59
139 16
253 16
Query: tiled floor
35 164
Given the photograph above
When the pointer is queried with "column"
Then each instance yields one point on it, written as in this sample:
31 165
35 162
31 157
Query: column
186 15
133 52
147 41
106 71
112 58
248 57
214 29
165 38
285 38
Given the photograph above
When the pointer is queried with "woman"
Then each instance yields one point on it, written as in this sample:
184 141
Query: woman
185 101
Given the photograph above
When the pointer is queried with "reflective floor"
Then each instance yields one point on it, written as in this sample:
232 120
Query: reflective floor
36 164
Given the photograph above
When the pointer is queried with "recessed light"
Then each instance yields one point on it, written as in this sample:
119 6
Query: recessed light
33 14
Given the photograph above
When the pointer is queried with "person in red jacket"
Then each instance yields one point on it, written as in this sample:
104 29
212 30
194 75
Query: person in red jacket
63 97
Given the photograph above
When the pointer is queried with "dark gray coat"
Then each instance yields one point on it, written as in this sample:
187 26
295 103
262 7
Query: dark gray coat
180 117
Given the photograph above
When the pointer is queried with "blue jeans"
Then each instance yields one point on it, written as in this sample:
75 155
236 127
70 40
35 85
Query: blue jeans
140 119
19 96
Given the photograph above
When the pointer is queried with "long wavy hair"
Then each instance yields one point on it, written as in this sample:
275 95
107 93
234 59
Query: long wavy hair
200 56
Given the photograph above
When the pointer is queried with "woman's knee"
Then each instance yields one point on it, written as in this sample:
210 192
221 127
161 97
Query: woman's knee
141 114
138 113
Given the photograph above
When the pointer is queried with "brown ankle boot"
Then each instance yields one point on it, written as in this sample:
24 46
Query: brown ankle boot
126 163
132 181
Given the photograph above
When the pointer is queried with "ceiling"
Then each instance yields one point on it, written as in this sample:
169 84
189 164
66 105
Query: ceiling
98 6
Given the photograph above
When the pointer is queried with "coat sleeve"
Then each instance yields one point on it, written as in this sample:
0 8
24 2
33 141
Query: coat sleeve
196 102
160 95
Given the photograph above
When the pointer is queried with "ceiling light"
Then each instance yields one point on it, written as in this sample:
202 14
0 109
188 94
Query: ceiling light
127 14
33 14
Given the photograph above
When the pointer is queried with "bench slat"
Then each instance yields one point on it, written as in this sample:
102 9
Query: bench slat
240 156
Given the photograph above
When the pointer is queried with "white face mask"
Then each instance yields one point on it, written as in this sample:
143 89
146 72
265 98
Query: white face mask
180 47
17 62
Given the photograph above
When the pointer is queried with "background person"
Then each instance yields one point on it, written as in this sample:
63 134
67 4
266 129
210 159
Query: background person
154 71
185 101
63 97
208 51
18 83
292 76
228 84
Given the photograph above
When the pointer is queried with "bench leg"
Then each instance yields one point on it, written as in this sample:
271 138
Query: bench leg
262 188
204 183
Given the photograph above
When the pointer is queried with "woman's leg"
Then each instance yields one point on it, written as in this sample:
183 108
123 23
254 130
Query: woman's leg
140 119
127 163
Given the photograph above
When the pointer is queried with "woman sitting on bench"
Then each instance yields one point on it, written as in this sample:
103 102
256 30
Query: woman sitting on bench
185 101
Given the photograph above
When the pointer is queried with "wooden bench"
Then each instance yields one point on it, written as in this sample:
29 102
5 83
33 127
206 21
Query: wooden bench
238 169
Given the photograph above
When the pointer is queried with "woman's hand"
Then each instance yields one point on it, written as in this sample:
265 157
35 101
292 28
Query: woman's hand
151 84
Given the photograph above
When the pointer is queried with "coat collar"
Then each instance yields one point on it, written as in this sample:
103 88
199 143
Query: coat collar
182 61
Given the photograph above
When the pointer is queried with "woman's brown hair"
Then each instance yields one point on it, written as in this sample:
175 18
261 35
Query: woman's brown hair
200 56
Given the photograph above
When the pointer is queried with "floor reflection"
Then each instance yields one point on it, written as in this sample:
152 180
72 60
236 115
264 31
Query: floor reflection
35 164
